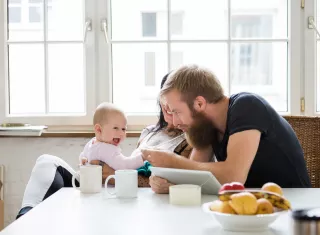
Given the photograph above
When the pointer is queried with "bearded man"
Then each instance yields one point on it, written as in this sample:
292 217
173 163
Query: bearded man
238 138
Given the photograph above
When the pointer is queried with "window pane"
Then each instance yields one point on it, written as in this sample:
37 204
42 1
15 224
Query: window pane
149 24
150 67
14 1
26 79
211 55
66 78
66 20
261 68
35 15
259 19
130 90
139 20
14 14
201 19
27 28
177 23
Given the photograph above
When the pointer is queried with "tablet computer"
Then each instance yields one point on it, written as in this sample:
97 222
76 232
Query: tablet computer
209 184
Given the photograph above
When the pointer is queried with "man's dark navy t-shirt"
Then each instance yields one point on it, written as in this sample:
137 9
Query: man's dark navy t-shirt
279 158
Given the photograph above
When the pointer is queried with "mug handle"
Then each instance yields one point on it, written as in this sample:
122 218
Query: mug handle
74 178
106 183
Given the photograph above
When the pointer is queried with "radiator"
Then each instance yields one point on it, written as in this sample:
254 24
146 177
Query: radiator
2 180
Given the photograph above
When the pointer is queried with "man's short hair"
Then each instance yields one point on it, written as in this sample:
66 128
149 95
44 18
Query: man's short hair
192 81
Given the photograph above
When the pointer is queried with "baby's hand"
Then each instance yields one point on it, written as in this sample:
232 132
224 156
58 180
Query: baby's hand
84 160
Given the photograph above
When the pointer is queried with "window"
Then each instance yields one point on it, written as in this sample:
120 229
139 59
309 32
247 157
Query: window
56 72
200 35
48 61
252 62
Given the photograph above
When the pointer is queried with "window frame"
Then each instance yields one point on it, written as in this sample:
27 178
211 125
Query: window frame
50 119
310 63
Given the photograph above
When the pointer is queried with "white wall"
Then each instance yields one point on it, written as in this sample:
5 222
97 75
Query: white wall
18 155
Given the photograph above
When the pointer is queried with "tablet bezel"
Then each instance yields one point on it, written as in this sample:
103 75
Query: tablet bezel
209 184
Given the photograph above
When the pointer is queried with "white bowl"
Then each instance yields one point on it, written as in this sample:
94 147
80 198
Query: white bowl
242 223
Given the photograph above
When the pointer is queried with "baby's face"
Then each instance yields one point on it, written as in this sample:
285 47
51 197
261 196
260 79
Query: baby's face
114 131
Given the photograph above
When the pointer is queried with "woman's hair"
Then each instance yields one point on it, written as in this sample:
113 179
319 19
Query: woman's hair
161 122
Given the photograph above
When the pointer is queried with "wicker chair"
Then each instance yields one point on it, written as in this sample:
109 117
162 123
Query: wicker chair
308 131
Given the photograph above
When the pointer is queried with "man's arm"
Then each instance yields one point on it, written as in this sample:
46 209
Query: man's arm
241 150
204 155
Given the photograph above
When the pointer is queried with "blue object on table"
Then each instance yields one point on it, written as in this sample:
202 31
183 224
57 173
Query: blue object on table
145 169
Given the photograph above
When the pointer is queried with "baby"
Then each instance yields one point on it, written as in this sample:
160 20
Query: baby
110 125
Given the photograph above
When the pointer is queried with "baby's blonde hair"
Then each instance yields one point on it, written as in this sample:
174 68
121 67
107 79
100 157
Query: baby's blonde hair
103 112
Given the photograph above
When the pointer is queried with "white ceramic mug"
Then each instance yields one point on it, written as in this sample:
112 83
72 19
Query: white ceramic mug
126 183
90 179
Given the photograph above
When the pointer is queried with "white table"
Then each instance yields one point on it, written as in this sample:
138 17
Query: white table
69 212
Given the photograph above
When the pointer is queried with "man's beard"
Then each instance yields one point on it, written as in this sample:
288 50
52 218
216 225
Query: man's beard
202 133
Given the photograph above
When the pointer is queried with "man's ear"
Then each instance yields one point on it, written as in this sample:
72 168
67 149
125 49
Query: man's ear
200 104
97 128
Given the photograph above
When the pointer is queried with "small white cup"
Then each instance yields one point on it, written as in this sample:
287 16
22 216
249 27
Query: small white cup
185 194
126 183
90 179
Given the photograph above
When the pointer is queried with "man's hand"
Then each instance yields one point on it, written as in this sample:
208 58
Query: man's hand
159 158
106 171
159 185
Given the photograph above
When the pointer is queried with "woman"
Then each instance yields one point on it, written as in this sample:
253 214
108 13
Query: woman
51 173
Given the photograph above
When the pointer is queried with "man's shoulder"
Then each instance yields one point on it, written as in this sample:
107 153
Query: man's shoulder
247 101
246 97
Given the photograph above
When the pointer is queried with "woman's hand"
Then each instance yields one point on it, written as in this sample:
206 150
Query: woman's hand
159 158
167 114
106 170
159 185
